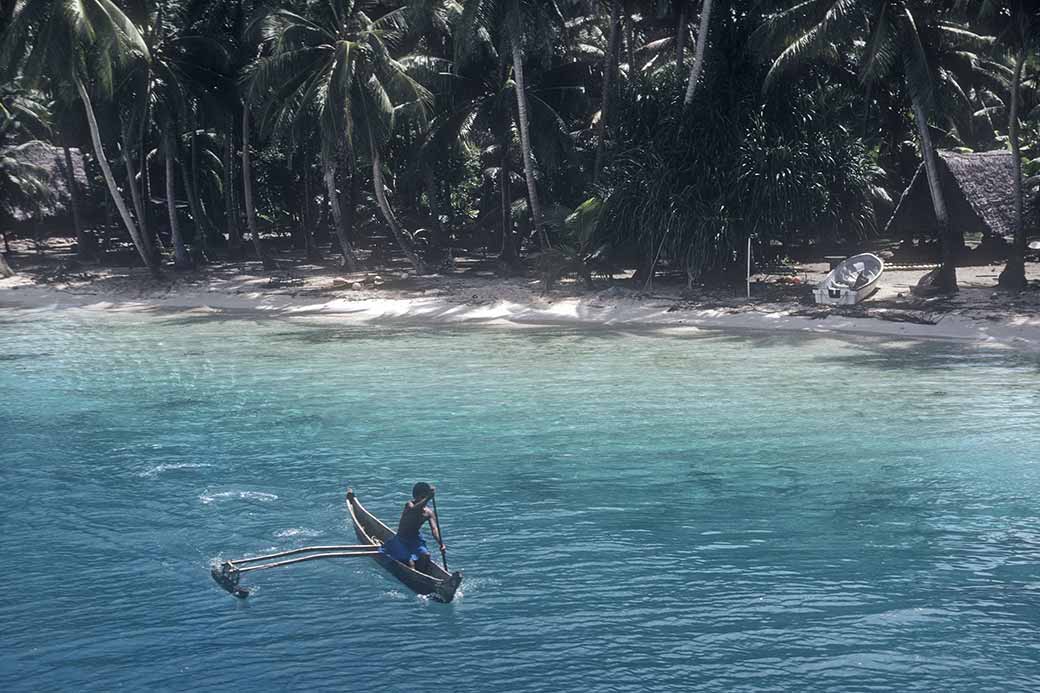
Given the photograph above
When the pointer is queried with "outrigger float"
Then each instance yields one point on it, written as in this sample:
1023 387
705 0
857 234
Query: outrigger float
228 573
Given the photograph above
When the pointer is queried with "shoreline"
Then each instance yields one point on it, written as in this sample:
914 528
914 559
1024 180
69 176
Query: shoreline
518 304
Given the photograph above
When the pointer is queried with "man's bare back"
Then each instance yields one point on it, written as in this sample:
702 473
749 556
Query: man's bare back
413 517
407 546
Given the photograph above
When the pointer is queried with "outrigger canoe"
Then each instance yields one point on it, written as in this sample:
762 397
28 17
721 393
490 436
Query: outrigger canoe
439 583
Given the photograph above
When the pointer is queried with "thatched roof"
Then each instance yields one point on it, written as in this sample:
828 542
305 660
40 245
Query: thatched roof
979 193
51 160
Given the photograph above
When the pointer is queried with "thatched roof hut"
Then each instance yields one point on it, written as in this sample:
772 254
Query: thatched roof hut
51 160
979 192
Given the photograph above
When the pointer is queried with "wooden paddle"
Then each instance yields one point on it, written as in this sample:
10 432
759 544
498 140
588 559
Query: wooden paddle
440 530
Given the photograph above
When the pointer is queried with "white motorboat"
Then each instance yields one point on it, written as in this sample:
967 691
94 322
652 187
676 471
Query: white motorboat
850 282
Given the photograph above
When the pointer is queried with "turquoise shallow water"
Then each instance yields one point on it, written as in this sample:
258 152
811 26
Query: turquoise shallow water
633 512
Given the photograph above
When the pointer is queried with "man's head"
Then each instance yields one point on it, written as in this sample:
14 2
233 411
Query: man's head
421 490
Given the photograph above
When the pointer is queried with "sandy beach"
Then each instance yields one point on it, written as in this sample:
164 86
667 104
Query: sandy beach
979 314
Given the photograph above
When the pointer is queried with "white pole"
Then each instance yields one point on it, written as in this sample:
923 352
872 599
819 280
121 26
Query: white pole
749 267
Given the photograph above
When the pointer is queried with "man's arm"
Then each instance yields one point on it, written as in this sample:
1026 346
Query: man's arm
435 527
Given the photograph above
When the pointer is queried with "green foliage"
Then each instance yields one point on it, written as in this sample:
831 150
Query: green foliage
801 105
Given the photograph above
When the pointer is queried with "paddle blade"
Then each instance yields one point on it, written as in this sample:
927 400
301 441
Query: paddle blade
227 578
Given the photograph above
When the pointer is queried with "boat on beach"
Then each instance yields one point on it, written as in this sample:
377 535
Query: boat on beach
438 583
853 280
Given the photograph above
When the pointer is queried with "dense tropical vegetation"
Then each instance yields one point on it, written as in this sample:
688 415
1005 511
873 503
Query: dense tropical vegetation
583 134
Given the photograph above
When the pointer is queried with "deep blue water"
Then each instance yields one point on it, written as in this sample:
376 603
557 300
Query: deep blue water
632 511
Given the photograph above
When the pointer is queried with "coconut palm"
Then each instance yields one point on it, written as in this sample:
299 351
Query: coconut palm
82 45
1016 24
698 53
184 67
897 33
519 29
334 64
610 65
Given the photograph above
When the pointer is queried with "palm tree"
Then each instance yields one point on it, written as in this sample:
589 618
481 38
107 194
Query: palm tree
610 64
335 65
479 110
1017 27
185 67
247 191
698 54
893 31
681 31
524 121
67 122
76 45
228 24
517 25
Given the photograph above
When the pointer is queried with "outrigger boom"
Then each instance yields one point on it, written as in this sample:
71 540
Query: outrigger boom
228 573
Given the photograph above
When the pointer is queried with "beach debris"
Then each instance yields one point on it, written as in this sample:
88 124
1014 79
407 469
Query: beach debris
916 317
357 286
927 285
812 314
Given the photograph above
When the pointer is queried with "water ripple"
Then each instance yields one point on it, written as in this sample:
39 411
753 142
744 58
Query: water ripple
632 512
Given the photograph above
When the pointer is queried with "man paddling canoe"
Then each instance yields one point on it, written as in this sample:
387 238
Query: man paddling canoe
408 546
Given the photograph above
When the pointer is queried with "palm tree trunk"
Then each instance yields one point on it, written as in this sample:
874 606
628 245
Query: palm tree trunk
947 279
525 146
1014 274
310 225
202 220
230 198
384 206
609 67
84 248
188 178
507 254
698 54
349 260
140 242
433 206
630 45
181 259
353 195
247 191
680 33
135 191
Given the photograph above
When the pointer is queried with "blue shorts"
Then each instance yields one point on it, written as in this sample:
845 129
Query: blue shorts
405 549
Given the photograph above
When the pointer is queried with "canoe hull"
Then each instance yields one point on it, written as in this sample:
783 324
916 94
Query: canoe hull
440 584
